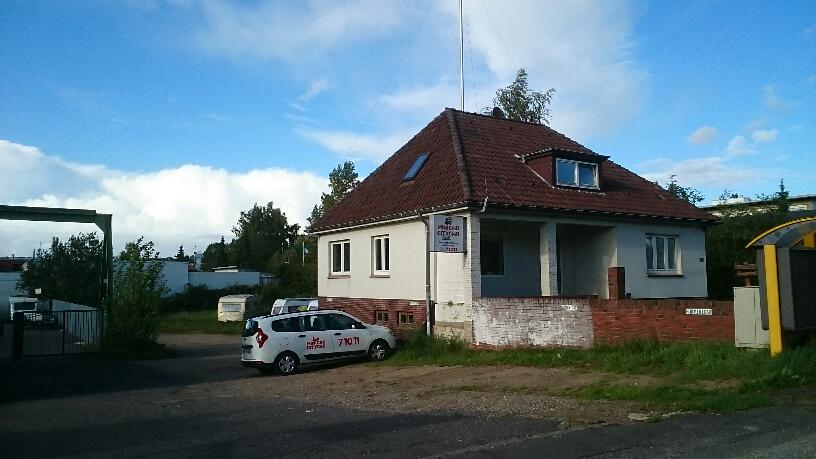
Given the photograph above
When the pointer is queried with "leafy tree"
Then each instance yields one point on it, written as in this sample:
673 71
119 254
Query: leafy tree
261 233
137 290
216 254
521 104
67 271
688 194
342 179
725 243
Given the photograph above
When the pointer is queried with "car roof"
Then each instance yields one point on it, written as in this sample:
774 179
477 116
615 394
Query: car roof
300 313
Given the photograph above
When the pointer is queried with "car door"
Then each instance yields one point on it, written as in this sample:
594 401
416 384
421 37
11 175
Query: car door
316 341
350 336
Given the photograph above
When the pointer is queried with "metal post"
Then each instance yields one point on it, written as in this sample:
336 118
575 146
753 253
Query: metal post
18 328
64 326
461 57
772 292
428 313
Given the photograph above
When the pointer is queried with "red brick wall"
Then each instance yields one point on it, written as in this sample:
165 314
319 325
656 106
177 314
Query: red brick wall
365 310
615 321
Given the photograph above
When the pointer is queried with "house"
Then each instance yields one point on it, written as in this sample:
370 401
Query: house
544 216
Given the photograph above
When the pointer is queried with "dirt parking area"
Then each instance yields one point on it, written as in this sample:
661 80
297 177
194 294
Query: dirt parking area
485 390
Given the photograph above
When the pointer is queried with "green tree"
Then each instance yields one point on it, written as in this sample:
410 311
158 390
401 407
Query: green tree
216 254
688 194
261 233
180 256
67 271
522 104
137 290
342 179
725 243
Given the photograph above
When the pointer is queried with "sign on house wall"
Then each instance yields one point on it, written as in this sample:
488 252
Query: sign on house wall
447 233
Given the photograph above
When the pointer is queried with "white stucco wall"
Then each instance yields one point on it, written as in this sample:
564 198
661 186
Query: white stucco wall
631 255
407 263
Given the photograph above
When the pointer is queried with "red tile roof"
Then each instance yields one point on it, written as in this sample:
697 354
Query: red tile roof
472 156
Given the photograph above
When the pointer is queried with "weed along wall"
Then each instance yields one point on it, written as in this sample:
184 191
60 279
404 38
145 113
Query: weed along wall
672 319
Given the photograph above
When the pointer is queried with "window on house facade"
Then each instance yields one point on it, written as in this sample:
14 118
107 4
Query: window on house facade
662 254
381 254
406 318
382 316
576 173
492 254
340 257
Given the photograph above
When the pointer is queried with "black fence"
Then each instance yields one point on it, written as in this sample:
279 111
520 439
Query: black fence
56 333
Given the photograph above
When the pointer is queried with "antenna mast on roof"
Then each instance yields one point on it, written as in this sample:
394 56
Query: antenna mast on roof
461 58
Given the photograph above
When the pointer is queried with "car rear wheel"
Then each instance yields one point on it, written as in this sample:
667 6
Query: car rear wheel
378 350
286 363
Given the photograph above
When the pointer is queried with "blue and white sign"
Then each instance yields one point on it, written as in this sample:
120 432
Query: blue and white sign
447 233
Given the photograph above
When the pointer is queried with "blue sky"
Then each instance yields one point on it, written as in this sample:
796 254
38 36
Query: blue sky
176 115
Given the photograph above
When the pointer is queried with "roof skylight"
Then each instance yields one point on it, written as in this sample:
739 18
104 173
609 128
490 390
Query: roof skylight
414 170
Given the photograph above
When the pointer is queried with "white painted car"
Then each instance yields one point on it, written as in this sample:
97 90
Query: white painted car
283 342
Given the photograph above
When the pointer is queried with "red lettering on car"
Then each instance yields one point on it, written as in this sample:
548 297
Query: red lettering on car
261 338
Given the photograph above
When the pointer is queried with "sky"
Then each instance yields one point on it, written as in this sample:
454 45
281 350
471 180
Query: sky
176 115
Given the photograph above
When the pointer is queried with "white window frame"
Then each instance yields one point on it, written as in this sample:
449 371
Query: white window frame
344 262
385 255
576 176
665 270
405 318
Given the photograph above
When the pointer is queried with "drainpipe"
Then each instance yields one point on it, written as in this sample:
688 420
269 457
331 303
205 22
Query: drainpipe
428 327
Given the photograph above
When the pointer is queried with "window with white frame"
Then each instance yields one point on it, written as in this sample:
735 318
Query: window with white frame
662 254
380 254
576 173
340 257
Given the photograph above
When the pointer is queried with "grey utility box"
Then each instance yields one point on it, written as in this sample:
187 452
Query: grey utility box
748 331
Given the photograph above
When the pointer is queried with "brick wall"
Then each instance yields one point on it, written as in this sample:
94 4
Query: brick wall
365 310
616 321
536 321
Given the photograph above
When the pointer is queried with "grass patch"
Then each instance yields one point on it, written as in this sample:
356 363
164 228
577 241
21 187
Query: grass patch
688 373
198 322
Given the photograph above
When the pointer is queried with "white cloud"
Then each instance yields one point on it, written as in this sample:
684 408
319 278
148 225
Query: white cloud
583 49
738 146
774 101
290 30
358 146
713 172
425 100
315 88
764 135
702 135
190 204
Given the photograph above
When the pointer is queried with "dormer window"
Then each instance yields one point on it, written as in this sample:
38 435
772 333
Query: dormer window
576 173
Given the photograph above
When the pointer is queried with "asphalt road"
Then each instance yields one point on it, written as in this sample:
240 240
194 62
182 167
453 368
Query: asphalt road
186 407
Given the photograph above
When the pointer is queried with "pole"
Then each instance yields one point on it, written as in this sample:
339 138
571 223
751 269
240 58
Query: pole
461 58
428 328
303 253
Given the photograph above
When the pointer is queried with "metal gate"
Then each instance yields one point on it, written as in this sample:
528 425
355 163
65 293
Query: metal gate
56 333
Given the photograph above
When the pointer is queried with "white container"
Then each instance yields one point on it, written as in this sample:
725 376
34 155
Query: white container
232 308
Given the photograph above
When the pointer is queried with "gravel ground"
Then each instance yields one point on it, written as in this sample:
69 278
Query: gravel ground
490 391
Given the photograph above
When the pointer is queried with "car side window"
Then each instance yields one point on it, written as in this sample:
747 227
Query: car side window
341 322
290 325
316 323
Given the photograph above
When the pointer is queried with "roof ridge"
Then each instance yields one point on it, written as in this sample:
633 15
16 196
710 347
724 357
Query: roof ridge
495 118
460 157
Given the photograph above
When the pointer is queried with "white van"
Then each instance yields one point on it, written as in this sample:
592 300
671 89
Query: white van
32 307
232 308
287 305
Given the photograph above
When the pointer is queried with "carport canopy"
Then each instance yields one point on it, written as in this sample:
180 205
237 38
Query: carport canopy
788 234
56 214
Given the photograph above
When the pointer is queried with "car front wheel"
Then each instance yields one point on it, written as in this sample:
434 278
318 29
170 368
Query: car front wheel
378 350
286 363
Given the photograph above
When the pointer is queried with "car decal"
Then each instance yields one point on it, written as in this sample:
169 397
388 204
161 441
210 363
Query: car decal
315 343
